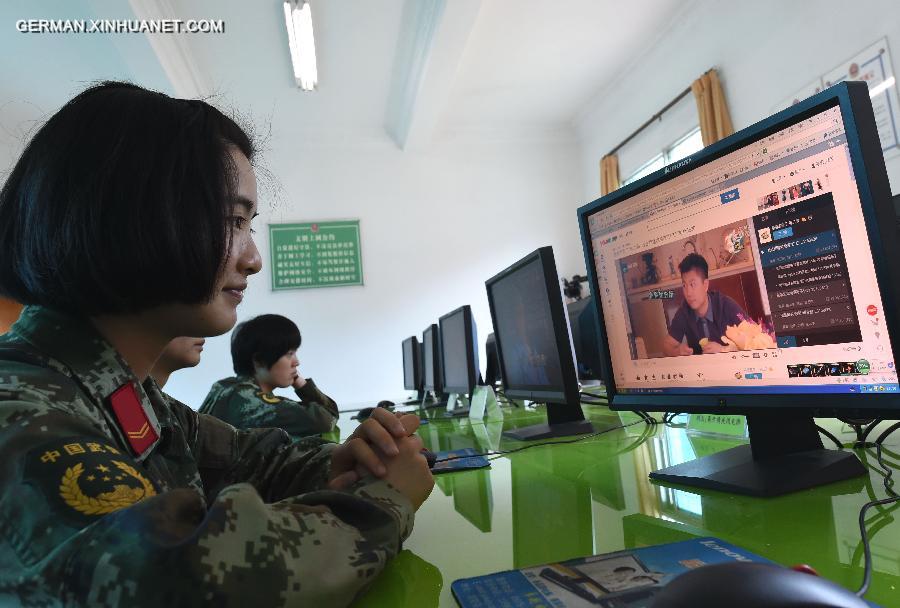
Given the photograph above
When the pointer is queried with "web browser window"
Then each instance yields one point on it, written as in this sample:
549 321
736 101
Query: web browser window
748 274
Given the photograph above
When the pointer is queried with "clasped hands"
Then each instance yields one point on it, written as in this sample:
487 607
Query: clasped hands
385 447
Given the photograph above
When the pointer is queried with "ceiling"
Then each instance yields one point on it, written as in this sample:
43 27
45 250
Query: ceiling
407 67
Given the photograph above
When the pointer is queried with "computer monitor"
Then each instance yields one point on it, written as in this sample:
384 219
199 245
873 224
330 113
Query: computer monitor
533 344
431 349
492 374
459 355
583 322
412 367
756 277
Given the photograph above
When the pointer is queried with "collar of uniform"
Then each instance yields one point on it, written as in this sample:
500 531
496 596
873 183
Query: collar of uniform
250 380
74 342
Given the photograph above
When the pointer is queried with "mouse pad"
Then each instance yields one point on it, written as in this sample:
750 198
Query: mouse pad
459 460
624 579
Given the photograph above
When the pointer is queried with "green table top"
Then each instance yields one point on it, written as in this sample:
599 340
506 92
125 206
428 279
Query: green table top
559 502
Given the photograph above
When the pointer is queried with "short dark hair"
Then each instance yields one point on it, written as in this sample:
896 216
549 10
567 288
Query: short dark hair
694 261
263 340
119 203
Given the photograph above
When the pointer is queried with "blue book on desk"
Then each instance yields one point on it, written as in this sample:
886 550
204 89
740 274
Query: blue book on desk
624 579
459 460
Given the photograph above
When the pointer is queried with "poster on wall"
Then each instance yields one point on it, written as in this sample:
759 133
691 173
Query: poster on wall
315 254
872 66
802 93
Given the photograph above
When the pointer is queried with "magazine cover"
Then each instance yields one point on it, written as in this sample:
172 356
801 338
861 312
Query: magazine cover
625 579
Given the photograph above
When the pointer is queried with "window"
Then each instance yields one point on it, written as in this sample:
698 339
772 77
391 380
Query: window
684 147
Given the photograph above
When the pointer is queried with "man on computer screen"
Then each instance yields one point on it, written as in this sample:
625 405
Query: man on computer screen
704 315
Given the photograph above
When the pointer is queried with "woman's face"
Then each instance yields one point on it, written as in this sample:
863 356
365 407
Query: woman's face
181 352
283 372
220 314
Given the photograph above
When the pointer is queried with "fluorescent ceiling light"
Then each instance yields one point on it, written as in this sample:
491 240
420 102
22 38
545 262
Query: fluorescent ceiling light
298 18
884 86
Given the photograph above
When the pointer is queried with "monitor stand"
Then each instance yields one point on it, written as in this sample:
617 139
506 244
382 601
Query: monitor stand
785 454
457 406
435 402
563 420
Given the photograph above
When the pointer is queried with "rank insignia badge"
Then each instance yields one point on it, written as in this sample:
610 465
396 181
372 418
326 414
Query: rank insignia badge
132 418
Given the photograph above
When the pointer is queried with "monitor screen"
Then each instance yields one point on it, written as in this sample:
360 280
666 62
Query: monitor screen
524 327
431 359
411 370
457 351
583 323
747 272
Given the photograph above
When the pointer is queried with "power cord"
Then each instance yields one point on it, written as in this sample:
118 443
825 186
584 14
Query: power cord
498 453
861 426
887 432
886 472
825 432
669 417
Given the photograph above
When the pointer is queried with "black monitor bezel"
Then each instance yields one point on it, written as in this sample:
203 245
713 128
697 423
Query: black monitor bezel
568 392
417 379
437 370
867 162
471 371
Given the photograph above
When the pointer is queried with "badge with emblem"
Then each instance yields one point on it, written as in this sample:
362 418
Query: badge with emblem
268 397
86 478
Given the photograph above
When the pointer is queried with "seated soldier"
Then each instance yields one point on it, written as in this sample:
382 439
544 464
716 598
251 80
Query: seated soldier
264 356
178 354
126 223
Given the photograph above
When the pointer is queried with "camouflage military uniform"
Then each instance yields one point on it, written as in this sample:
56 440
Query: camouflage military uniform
240 402
112 494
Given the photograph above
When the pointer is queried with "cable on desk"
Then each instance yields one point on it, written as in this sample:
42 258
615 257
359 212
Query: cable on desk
867 550
590 394
669 417
498 453
887 432
647 417
862 427
825 432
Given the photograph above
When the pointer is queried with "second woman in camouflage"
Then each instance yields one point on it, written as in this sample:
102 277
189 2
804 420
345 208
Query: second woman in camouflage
264 356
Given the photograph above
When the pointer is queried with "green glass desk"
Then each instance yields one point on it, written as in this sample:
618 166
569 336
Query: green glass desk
554 503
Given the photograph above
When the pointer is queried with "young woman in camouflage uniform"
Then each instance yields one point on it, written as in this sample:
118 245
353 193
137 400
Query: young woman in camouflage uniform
264 356
124 224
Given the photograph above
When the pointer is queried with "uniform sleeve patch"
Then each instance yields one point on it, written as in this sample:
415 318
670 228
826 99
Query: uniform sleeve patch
84 478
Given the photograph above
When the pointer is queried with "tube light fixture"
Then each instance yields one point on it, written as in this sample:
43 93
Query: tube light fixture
881 88
298 18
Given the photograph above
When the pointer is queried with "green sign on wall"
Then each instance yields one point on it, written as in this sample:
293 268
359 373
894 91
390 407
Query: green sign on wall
315 254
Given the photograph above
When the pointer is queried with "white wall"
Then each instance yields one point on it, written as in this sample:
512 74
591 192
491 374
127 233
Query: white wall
434 225
764 51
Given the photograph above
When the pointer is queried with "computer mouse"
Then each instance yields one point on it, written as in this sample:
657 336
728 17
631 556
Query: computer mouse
364 413
431 457
752 585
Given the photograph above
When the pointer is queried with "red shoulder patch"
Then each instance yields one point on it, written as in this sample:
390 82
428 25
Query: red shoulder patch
132 418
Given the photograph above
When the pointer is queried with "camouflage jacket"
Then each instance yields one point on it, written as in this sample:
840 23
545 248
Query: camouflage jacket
112 494
240 402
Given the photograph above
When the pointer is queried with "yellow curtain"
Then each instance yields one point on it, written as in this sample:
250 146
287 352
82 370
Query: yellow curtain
715 121
609 174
